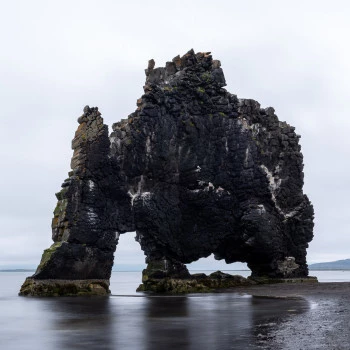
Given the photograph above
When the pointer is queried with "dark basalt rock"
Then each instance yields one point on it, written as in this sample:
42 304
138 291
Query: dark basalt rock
196 283
195 171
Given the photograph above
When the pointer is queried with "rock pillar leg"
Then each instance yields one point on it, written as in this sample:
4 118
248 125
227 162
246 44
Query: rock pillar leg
80 260
159 273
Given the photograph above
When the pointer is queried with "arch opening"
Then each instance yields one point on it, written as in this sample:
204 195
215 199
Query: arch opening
129 261
210 264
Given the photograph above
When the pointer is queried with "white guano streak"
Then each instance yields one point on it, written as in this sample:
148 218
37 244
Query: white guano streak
274 184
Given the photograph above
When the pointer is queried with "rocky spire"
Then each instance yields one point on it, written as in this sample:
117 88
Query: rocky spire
84 241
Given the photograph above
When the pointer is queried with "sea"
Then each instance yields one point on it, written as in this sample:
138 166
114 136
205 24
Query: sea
138 321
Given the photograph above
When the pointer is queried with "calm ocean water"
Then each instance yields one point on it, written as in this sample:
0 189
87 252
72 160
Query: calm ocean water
130 320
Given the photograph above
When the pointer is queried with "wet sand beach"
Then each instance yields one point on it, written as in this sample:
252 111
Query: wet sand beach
325 324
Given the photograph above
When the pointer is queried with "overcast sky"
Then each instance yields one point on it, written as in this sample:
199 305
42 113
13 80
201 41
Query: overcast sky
58 56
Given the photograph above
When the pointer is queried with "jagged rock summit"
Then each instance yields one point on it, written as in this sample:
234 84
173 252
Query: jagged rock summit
194 171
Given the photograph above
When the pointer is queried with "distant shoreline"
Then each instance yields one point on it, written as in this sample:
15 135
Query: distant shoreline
33 270
329 269
17 270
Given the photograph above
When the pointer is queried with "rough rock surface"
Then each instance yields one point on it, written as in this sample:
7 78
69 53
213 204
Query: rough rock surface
194 171
196 283
58 287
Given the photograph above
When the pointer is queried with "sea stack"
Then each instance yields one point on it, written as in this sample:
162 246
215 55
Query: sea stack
194 171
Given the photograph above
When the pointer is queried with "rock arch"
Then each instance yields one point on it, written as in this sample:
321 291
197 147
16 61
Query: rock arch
194 171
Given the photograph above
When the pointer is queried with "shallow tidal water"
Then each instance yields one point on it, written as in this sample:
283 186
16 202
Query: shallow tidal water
130 320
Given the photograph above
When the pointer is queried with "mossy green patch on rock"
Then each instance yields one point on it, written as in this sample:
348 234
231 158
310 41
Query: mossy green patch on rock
61 194
197 283
206 77
47 254
174 286
60 207
53 288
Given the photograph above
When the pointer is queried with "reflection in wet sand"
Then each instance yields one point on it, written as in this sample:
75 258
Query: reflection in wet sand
83 323
220 322
166 323
211 321
206 321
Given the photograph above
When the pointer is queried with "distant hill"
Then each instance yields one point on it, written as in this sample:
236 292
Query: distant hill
332 265
17 270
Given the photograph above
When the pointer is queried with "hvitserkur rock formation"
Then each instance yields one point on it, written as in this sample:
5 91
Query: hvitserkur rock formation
194 171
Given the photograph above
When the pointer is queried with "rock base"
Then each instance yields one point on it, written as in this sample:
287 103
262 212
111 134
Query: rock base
201 283
196 283
53 288
269 280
